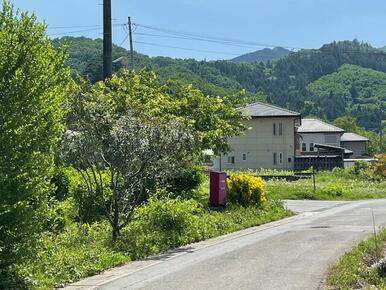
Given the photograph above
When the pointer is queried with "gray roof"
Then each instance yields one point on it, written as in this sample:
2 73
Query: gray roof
317 126
259 109
347 137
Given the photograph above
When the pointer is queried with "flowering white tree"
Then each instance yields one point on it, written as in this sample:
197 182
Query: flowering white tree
117 158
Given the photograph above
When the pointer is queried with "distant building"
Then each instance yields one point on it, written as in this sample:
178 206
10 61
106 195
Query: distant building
356 143
313 131
269 143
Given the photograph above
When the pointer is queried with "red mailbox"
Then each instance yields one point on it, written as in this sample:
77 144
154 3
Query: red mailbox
218 188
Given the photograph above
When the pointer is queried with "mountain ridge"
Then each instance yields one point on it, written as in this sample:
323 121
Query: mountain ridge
263 55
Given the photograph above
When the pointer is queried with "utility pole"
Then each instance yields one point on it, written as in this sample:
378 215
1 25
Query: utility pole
131 44
107 40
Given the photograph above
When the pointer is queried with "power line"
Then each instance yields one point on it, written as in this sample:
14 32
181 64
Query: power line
81 26
184 48
82 30
75 26
195 38
173 34
74 31
213 38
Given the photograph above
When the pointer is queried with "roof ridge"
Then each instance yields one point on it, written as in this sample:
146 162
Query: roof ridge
326 122
273 106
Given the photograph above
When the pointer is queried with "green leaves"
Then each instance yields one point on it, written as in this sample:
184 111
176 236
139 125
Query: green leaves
33 84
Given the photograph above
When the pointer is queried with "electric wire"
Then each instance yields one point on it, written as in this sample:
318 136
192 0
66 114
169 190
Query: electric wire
174 34
184 48
213 38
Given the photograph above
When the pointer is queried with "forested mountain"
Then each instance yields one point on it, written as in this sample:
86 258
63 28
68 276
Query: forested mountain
352 90
285 82
264 55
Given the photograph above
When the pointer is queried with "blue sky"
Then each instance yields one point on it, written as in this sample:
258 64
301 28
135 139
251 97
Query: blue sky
289 23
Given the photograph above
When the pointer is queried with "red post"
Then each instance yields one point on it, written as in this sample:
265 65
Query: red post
218 188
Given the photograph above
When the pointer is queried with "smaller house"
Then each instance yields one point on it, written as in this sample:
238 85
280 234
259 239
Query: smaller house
320 146
356 143
313 131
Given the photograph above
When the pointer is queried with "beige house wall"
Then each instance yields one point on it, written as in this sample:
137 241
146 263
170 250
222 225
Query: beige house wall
259 144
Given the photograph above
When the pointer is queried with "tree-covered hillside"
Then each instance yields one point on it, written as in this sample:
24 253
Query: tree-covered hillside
85 58
352 90
284 82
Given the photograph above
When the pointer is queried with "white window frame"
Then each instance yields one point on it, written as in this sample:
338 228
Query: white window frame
305 147
274 129
244 155
231 160
274 158
280 129
281 158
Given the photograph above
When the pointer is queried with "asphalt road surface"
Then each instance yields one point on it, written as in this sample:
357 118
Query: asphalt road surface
293 253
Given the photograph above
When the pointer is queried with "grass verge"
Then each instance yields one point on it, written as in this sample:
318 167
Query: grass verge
360 267
336 185
160 225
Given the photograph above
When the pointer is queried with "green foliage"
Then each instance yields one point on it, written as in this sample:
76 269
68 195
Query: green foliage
355 269
352 90
360 166
166 223
283 82
340 184
380 166
186 180
130 132
349 125
33 85
159 225
79 251
245 189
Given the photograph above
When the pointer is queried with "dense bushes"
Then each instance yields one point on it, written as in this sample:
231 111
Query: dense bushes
187 180
168 223
79 251
380 165
157 226
245 189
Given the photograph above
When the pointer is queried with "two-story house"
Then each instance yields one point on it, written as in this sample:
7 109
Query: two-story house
313 131
268 143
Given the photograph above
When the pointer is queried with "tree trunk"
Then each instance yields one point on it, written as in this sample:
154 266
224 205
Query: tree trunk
115 224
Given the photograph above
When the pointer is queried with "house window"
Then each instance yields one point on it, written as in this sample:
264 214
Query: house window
280 158
280 129
274 158
304 147
289 159
231 160
274 129
312 147
244 157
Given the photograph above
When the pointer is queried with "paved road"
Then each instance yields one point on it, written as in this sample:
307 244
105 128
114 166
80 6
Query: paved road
293 253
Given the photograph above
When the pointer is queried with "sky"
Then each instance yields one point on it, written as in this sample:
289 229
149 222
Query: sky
288 23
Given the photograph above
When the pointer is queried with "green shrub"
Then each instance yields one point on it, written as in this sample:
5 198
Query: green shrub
360 166
159 225
332 190
380 166
187 180
77 252
245 189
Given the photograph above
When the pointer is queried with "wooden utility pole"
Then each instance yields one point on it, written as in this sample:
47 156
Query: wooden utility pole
107 40
131 44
